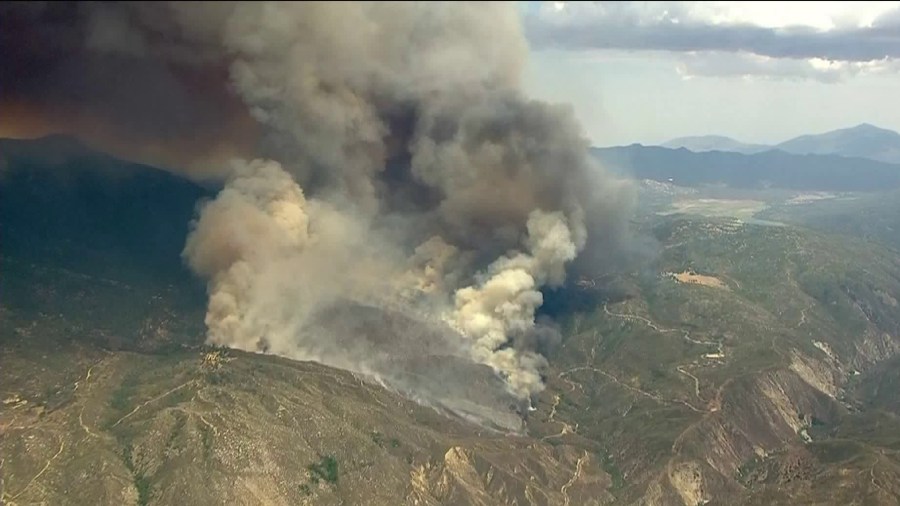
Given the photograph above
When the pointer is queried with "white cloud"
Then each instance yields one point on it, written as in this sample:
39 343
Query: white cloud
825 41
753 66
819 15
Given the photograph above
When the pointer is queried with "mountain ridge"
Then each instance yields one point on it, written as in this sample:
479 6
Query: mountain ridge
864 140
774 168
700 143
861 141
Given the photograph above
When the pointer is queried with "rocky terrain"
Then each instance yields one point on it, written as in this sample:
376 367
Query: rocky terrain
773 381
746 391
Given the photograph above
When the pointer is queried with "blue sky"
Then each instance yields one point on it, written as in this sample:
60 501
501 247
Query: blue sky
756 71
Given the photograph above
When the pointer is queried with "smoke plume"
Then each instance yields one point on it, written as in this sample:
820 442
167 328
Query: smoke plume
400 170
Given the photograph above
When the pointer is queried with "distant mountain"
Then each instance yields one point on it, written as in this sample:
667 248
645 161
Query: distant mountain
774 168
703 143
864 141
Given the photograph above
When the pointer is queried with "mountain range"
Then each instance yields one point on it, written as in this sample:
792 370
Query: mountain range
861 141
863 158
769 169
701 143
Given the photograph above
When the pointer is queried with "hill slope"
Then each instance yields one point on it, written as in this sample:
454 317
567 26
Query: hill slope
109 397
726 369
83 425
872 217
743 365
60 202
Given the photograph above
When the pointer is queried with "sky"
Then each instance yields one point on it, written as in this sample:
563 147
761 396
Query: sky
634 72
760 72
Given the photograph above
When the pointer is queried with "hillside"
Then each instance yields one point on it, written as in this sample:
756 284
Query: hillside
88 425
714 143
771 169
733 378
109 396
863 141
743 364
62 203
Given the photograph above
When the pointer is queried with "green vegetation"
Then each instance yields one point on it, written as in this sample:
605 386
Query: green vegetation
206 439
667 371
121 396
325 470
379 439
141 482
750 471
177 429
871 217
609 467
216 377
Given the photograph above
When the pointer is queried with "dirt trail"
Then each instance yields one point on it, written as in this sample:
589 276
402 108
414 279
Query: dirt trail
577 474
802 317
872 477
636 390
685 334
85 427
556 399
62 445
158 397
720 352
680 369
86 376
78 383
566 428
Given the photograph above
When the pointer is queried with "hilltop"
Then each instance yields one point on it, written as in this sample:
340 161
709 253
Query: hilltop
702 143
863 141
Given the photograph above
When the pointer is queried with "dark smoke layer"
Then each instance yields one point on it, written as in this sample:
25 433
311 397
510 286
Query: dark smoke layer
401 168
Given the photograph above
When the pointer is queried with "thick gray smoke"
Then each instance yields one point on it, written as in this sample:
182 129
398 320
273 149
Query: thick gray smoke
435 186
402 169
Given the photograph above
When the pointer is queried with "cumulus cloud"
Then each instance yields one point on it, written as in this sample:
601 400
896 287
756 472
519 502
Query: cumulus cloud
744 65
706 32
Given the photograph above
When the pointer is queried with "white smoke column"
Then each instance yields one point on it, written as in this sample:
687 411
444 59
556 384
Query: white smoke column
259 217
505 302
275 261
